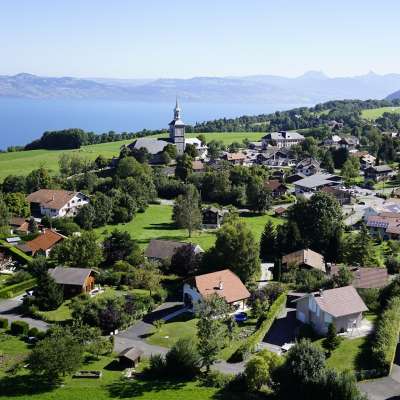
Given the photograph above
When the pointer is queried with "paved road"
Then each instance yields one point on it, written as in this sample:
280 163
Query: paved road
10 309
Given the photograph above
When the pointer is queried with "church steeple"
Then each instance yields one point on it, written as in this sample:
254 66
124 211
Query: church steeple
177 129
177 110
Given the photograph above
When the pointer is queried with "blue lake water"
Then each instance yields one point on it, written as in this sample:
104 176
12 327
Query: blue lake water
22 120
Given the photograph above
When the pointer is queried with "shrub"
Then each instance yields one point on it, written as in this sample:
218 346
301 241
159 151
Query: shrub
386 336
33 332
14 290
3 323
393 265
157 366
216 379
19 328
252 341
332 340
371 298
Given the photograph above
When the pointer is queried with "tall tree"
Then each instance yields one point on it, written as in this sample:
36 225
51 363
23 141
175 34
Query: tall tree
48 294
17 204
268 242
4 216
259 198
38 179
359 248
184 167
187 213
119 246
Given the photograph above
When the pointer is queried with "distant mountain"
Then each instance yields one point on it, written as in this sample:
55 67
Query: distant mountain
394 96
310 88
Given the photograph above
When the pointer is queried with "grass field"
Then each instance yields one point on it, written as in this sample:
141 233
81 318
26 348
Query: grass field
375 113
156 223
21 163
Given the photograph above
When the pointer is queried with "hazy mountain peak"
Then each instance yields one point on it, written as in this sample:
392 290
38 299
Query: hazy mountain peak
314 75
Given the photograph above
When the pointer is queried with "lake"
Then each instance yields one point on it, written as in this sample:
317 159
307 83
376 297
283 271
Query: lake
23 120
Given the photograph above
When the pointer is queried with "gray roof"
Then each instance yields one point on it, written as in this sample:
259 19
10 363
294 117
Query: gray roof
70 276
153 146
381 168
317 180
283 135
165 249
131 353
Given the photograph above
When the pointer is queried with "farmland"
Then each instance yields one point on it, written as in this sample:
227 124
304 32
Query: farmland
374 113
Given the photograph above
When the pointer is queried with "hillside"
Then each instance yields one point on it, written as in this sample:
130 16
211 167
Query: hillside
310 88
394 96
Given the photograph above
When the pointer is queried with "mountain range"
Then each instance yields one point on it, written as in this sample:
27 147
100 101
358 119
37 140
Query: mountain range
311 88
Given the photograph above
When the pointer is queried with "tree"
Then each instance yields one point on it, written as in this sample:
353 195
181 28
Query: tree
215 148
268 242
33 226
191 150
211 330
101 162
237 249
186 213
202 139
351 169
327 162
103 209
185 261
57 354
359 248
332 340
38 179
184 167
48 294
4 216
17 204
257 373
77 250
14 184
259 198
86 217
119 246
343 277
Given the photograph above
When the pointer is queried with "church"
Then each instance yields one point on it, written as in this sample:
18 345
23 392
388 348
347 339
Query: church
177 130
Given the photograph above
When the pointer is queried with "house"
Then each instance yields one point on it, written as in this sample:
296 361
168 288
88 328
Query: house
154 148
225 284
198 166
378 172
316 182
277 188
333 141
73 280
341 306
163 250
235 158
201 149
279 174
365 277
280 211
282 139
19 225
43 243
305 258
213 217
308 167
342 196
130 357
385 225
56 203
256 145
349 142
294 178
275 157
367 161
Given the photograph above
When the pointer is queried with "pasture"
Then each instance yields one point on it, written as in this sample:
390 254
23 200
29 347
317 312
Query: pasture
375 113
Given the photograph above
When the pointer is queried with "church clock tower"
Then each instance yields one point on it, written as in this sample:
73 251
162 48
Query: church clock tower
177 130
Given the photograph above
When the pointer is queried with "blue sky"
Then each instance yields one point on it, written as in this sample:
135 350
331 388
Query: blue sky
177 38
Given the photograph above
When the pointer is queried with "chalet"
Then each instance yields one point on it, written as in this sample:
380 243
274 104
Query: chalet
365 277
349 142
56 203
235 158
367 161
378 172
275 157
316 182
163 250
19 225
306 258
341 306
73 280
342 196
198 166
213 217
308 167
282 139
224 283
279 174
43 243
277 188
385 225
130 357
333 141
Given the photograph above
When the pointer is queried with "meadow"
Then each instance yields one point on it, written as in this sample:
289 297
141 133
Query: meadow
375 113
156 223
21 163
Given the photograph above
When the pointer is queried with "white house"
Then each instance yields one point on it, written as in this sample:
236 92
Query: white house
225 284
201 149
56 203
282 139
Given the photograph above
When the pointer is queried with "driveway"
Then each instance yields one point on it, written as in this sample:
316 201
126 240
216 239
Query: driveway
10 309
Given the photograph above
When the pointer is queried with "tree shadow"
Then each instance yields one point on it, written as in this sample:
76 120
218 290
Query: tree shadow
25 385
164 226
114 365
125 388
363 359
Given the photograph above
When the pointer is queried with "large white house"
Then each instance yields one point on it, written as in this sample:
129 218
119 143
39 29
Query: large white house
282 139
56 203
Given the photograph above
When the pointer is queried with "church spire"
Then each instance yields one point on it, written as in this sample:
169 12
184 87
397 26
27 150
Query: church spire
177 110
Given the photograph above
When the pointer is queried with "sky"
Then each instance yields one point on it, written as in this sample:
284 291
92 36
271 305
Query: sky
187 38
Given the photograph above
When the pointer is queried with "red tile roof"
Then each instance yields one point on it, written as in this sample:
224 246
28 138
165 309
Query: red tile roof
45 241
50 198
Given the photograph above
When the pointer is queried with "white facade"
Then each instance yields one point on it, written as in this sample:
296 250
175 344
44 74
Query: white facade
69 209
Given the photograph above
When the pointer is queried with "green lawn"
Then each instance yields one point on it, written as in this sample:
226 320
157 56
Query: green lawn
62 313
156 223
12 350
375 113
21 163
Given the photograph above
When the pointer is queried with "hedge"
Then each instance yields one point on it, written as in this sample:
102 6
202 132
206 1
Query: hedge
3 323
386 336
250 345
16 289
19 328
16 253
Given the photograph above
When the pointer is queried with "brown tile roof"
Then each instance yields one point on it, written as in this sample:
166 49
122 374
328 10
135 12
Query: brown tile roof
164 249
70 276
274 184
306 257
50 198
197 165
20 224
131 353
235 156
280 210
385 220
341 301
45 241
232 288
365 277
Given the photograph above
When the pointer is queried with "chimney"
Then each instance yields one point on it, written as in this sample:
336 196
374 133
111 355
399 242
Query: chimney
221 285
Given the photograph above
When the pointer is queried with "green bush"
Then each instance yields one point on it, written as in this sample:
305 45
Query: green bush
33 332
14 290
216 379
3 323
386 336
251 343
19 328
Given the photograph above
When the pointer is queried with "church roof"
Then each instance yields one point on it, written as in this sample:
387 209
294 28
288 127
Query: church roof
153 146
176 122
